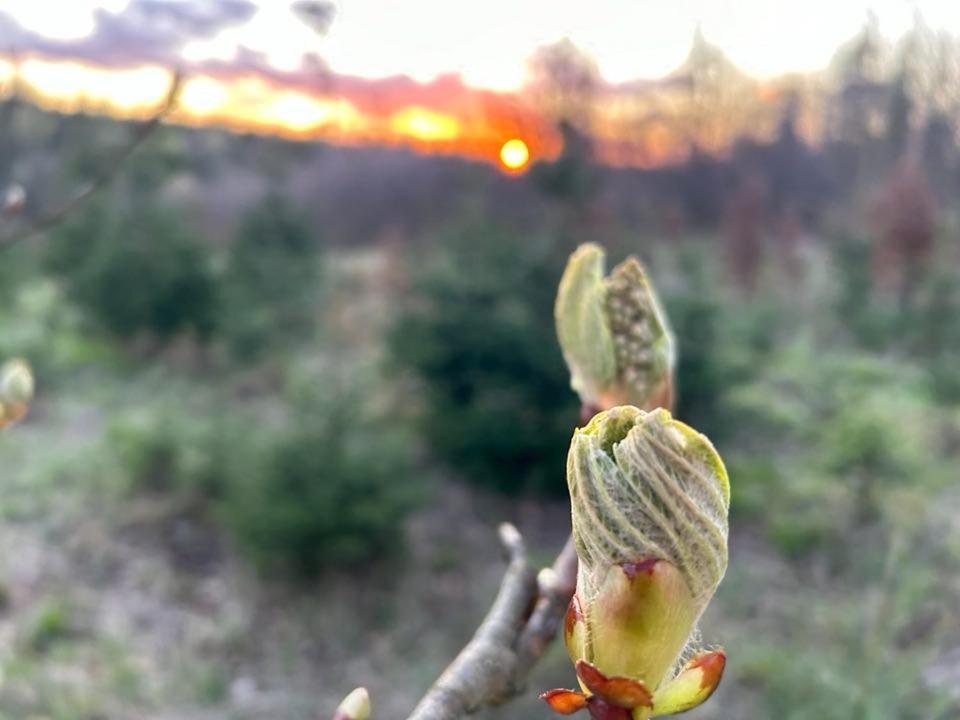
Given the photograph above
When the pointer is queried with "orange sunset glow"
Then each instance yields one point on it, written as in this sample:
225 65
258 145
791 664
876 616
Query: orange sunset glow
479 124
439 117
381 74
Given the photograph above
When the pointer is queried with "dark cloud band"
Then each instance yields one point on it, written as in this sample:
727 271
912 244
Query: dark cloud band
145 31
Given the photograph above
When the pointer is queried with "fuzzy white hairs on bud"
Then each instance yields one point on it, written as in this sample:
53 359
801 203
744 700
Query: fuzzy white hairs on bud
645 486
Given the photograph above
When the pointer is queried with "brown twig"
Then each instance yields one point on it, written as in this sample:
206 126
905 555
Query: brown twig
104 178
557 585
494 665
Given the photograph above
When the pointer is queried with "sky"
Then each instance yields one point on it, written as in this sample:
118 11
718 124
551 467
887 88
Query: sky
388 64
488 42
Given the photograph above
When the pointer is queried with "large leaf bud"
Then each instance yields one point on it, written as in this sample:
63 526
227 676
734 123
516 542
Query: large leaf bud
650 498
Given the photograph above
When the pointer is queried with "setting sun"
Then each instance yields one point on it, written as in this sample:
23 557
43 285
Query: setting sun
514 154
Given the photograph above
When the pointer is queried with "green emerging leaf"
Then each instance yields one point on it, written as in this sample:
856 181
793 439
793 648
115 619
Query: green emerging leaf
582 325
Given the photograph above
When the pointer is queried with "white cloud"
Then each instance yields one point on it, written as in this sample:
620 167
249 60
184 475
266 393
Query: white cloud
58 19
488 42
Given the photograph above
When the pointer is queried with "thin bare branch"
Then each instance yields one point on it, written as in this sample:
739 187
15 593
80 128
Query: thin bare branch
110 171
523 620
557 585
483 672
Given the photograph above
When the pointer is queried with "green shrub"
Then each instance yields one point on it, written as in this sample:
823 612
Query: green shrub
324 478
824 440
330 486
38 324
478 333
272 278
138 273
170 449
52 623
935 331
18 266
859 645
924 324
871 320
718 341
811 678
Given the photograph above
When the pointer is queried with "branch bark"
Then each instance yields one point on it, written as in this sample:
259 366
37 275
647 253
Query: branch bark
557 585
518 628
110 171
